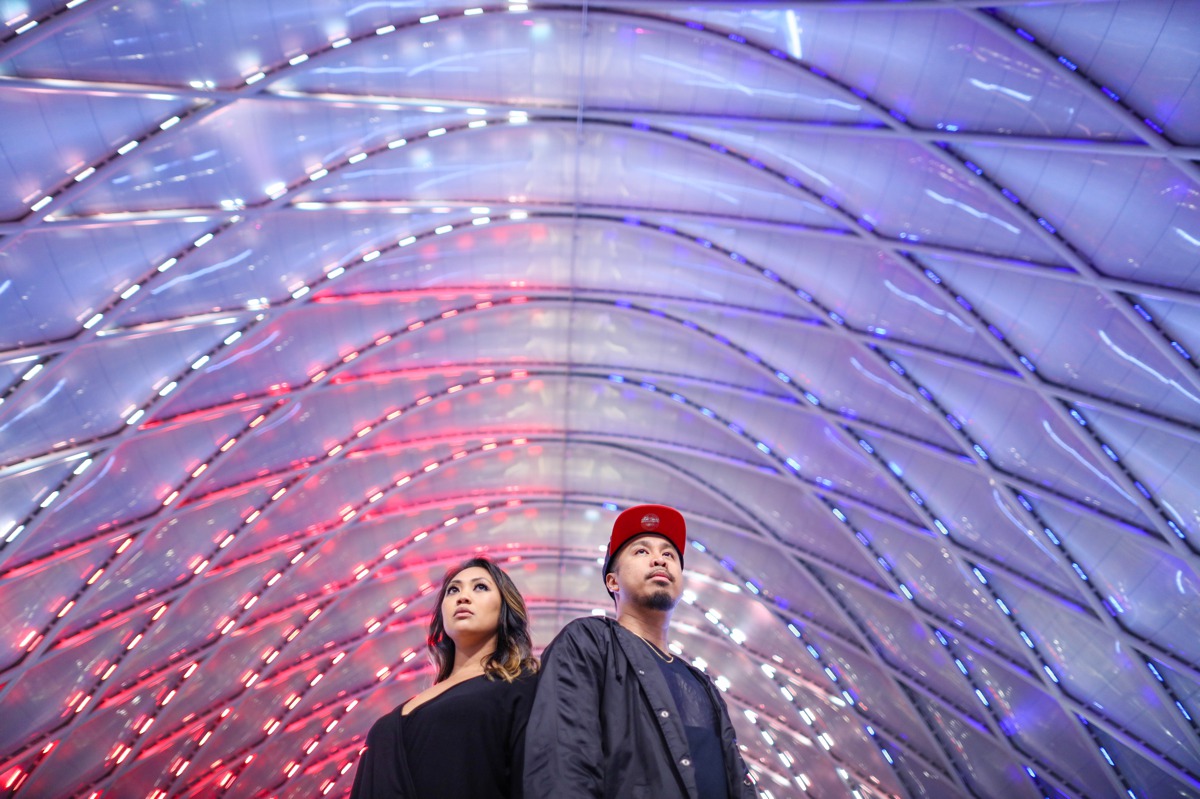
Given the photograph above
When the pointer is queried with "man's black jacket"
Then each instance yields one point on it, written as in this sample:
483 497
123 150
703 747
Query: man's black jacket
604 726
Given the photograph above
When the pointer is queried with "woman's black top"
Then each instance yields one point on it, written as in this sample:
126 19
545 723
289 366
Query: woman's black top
466 743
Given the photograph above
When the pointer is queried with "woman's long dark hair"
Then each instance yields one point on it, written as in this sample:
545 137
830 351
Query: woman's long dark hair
514 645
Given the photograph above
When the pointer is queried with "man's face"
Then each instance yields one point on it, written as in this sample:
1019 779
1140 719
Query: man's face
647 573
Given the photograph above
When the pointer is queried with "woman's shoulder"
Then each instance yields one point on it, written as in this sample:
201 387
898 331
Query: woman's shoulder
385 727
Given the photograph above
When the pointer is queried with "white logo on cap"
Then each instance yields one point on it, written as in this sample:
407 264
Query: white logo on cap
649 522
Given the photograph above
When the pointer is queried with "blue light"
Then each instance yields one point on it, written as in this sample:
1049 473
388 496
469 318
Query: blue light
708 413
812 398
1079 570
982 452
895 469
1028 641
1077 416
1025 502
678 398
763 447
941 527
609 506
783 377
792 463
961 666
699 546
982 698
1027 36
836 512
1053 538
1107 757
1003 607
1068 63
887 757
1183 710
616 378
866 446
897 368
813 651
1050 673
1011 197
979 575
904 590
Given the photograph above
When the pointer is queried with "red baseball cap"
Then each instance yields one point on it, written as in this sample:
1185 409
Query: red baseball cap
646 520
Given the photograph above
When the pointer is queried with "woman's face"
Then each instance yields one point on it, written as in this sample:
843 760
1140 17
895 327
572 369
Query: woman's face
471 607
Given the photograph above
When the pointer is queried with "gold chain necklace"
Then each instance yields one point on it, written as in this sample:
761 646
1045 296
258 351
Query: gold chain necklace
666 658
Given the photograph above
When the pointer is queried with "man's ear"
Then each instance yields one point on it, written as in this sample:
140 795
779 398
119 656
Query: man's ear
610 582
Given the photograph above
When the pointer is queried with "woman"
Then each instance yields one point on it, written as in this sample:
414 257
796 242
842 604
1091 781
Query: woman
463 737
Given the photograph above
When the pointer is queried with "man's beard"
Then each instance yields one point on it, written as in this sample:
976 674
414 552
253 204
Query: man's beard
659 600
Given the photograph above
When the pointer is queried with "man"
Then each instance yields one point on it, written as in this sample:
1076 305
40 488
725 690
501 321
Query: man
616 715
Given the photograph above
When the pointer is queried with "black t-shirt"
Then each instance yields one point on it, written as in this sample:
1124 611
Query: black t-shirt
701 725
465 743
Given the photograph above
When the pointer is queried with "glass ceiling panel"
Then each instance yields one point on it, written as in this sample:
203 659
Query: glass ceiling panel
1164 462
647 62
118 376
1056 326
986 763
978 79
1095 199
1107 676
888 184
910 647
980 521
81 130
1151 592
1101 40
91 266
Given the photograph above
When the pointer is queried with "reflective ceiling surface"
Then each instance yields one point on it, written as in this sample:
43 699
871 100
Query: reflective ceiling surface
302 302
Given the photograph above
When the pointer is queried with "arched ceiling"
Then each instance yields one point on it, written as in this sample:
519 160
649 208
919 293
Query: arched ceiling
302 302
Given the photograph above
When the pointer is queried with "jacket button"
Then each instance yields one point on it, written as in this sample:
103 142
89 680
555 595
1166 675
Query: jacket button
664 714
641 672
685 762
